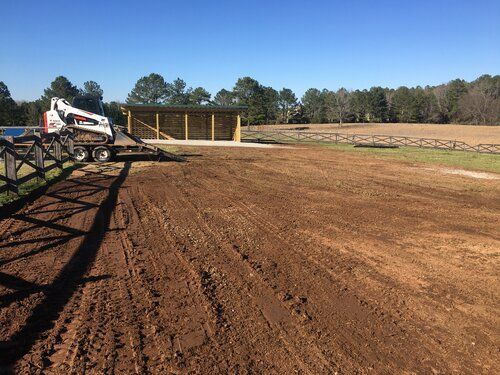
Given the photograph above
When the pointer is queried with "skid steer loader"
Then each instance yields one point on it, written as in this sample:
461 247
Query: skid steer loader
95 136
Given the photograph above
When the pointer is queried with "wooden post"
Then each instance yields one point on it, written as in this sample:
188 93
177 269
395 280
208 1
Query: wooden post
213 126
186 126
129 122
58 151
157 125
237 132
39 162
71 144
10 165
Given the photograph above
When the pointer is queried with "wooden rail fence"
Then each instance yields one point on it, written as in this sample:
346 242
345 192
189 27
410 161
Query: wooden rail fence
363 139
33 151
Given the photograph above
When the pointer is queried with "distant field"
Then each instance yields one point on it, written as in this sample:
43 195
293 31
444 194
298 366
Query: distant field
470 134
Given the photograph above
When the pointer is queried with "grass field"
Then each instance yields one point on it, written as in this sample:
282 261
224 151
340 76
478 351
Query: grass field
457 159
472 135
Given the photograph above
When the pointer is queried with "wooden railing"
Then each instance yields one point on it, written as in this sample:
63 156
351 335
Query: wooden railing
363 139
35 152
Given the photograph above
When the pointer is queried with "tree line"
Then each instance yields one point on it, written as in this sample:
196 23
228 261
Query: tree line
458 101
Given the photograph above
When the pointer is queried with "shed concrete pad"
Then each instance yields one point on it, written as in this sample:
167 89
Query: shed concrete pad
181 142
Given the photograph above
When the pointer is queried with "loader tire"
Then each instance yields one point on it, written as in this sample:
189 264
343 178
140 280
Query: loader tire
102 154
81 154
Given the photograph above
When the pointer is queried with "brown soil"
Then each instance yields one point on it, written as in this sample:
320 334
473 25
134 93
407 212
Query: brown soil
471 134
262 261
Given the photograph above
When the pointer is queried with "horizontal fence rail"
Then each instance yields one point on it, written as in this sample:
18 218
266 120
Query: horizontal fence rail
34 151
267 136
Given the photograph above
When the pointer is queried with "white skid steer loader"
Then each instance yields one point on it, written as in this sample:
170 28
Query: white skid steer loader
94 134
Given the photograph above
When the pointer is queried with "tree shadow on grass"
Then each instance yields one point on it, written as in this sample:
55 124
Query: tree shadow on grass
60 291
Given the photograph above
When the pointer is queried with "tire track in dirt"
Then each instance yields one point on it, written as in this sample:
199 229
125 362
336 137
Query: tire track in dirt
103 342
38 330
234 263
393 320
387 304
46 251
245 217
152 340
262 296
184 286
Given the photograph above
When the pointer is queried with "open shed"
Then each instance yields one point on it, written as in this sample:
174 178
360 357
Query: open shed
197 122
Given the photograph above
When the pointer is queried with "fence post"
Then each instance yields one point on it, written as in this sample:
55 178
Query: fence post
39 161
71 144
58 151
10 165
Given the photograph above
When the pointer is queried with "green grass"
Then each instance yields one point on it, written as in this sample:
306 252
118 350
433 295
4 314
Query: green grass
24 189
458 159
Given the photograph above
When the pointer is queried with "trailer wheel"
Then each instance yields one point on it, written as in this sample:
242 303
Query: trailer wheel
81 154
102 154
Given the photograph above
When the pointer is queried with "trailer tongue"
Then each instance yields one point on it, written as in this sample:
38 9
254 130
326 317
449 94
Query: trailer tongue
94 134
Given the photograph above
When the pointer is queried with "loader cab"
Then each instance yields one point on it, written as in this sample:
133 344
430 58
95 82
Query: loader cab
89 103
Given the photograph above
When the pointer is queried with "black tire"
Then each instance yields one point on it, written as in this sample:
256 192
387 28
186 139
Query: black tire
81 154
102 154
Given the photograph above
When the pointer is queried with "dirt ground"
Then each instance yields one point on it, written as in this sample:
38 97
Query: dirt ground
472 135
299 260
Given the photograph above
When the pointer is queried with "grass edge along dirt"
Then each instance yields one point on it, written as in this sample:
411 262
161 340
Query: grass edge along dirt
457 159
51 176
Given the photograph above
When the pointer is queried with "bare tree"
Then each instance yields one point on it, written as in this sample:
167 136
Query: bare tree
478 106
342 101
441 103
330 104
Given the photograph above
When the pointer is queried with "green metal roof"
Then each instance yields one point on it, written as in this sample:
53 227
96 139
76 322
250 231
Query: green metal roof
181 107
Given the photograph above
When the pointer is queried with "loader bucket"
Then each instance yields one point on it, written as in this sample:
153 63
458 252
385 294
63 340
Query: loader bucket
127 140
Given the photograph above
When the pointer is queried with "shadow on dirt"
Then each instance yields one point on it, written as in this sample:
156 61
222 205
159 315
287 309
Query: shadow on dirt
60 291
265 141
190 155
132 157
24 288
9 208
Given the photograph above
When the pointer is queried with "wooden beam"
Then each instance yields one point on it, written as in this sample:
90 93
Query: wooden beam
186 126
213 126
153 129
39 161
129 122
157 125
237 132
10 165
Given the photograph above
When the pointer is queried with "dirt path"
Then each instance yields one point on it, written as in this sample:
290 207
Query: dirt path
268 261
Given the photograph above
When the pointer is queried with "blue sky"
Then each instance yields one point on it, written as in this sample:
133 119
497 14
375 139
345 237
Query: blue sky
295 44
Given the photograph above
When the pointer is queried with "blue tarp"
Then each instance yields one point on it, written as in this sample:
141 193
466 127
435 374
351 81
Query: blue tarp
13 132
